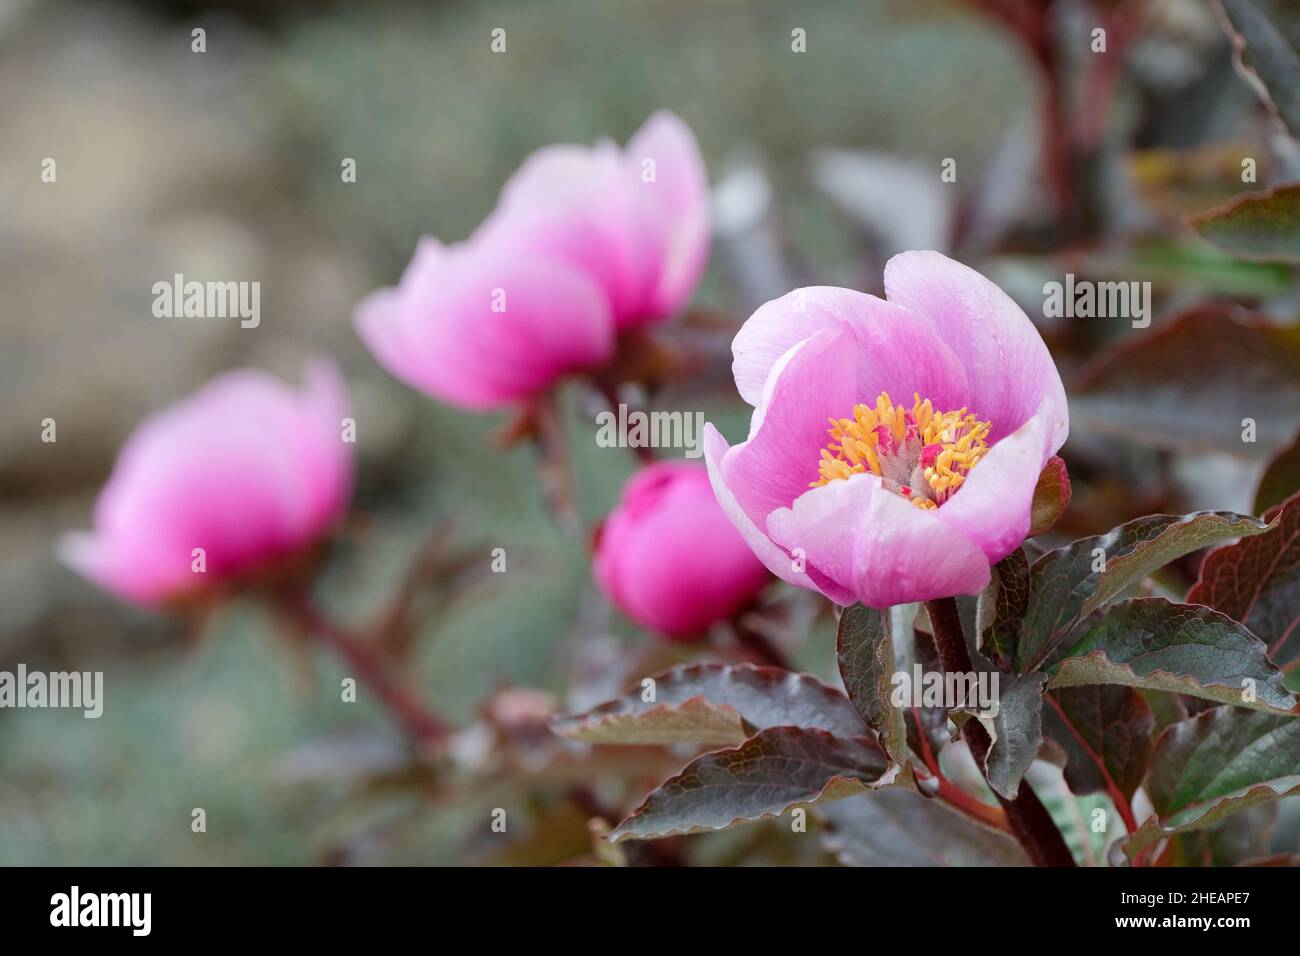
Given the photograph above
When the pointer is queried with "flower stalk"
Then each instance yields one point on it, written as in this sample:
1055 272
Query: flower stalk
1029 819
419 722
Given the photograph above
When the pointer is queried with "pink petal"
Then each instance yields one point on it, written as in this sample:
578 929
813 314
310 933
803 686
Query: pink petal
776 464
676 203
1010 371
579 206
774 558
900 352
876 546
992 507
438 331
779 325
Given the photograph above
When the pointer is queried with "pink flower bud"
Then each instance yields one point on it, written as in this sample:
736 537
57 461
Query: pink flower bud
669 557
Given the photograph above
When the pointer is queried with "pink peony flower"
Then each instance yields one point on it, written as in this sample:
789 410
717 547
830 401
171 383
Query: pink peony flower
584 242
247 469
895 445
478 326
668 556
635 220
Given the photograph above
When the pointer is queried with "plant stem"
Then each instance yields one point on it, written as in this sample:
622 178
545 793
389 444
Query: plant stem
954 795
645 455
554 465
1029 819
419 722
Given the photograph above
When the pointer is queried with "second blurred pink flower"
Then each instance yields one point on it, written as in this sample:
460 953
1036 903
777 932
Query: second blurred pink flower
585 242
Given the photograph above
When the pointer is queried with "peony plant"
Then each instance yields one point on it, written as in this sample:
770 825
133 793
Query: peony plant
901 471
901 462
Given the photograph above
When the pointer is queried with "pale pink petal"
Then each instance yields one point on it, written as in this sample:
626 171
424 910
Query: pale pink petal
1009 368
579 205
992 507
779 325
676 202
877 546
774 558
481 326
775 466
899 351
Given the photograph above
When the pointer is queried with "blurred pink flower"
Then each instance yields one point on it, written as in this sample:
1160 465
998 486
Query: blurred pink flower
247 469
584 242
943 405
635 220
669 558
480 327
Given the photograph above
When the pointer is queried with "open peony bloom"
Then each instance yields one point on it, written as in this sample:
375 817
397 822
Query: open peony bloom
246 469
479 326
668 556
635 220
895 445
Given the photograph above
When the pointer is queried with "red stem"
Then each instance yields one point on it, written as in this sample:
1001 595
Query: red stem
954 795
644 453
419 722
1029 819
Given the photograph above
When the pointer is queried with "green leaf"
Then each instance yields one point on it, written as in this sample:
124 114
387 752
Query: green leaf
1002 606
1159 388
1257 582
1017 733
1263 226
1186 648
1105 734
1167 708
775 770
894 827
865 648
1241 837
1281 479
714 704
1215 764
1065 585
1264 46
1051 496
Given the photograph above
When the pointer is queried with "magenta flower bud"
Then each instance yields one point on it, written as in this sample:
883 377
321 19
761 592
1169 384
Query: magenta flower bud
668 557
943 405
243 473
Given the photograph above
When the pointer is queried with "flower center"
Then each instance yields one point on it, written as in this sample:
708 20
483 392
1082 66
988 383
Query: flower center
919 453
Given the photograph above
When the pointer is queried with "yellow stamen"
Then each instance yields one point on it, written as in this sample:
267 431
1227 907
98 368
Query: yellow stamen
906 447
